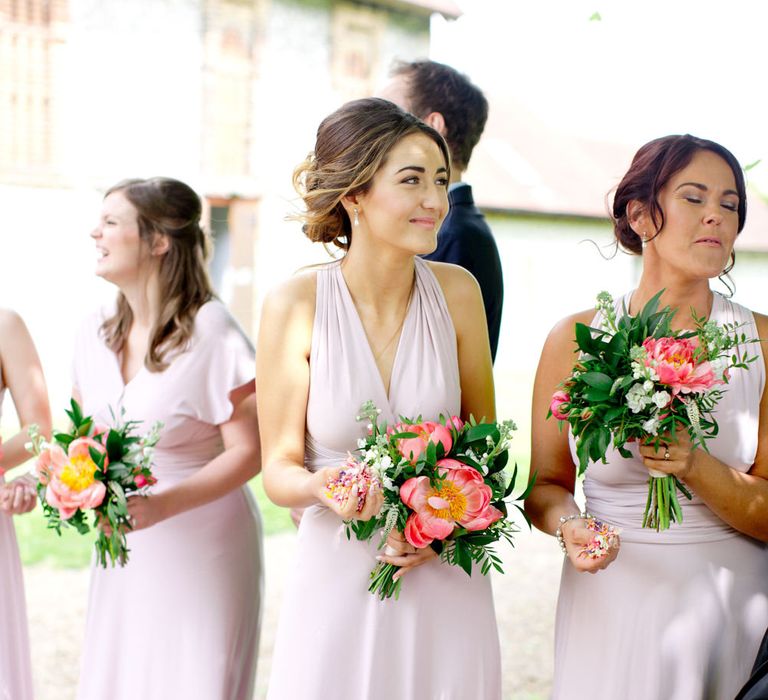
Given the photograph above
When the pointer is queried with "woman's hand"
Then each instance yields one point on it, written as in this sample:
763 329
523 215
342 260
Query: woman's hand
348 508
400 552
18 496
577 537
674 456
143 512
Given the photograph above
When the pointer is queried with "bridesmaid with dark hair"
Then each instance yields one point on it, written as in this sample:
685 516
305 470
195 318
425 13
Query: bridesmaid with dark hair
676 614
181 619
22 375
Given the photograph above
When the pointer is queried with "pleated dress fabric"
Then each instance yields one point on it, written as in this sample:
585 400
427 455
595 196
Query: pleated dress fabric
181 619
334 638
15 666
679 615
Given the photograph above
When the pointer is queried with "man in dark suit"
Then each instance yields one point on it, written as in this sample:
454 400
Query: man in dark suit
447 101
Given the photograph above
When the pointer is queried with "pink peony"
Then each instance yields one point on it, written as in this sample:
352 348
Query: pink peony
49 461
558 399
462 500
411 448
679 365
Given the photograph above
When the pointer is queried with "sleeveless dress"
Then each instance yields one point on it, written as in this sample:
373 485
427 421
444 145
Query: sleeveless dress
181 619
439 641
679 614
15 665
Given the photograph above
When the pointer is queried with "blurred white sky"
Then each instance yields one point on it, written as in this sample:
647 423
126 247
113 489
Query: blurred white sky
645 69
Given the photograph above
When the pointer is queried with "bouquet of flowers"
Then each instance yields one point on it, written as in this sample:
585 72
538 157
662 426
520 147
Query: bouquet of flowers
93 468
637 379
444 485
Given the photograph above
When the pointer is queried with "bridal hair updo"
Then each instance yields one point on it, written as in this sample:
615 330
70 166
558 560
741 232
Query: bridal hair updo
352 144
652 168
169 208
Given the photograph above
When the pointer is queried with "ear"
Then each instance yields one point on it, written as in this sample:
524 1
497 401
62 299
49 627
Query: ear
640 220
437 122
160 244
350 202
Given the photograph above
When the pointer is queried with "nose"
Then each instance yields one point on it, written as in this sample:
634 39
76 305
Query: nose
713 216
436 199
96 232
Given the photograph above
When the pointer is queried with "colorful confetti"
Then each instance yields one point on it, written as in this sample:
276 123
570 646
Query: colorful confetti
606 537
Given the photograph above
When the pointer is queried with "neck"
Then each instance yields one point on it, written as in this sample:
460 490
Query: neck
144 299
690 297
380 282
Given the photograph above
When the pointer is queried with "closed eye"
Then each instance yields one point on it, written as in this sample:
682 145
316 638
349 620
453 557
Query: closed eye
730 206
692 199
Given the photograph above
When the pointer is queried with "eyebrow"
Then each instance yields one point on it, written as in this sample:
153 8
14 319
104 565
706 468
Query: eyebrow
419 169
704 188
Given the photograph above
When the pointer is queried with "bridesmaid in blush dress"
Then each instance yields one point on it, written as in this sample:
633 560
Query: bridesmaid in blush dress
20 371
677 614
181 619
383 325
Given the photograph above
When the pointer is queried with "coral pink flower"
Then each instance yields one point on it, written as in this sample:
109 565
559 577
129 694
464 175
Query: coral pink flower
49 461
558 399
71 481
679 365
428 431
463 499
456 422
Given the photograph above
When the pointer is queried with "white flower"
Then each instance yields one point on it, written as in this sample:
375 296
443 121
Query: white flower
651 426
648 385
661 398
637 398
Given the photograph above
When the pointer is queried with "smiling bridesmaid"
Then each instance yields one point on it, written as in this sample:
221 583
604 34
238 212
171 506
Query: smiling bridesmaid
181 620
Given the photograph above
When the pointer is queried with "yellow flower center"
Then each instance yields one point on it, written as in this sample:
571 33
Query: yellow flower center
678 360
78 473
449 503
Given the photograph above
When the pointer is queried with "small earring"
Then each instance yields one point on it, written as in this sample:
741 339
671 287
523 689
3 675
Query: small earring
356 220
644 239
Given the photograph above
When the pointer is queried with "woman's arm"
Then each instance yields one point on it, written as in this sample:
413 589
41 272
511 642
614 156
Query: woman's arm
282 381
23 375
239 462
741 500
551 462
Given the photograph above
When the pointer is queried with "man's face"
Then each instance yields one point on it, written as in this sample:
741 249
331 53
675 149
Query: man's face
396 90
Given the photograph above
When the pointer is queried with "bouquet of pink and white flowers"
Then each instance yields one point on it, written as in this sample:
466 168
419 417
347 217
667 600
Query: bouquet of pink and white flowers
93 468
637 379
445 485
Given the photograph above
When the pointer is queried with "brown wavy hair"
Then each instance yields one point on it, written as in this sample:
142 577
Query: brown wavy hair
351 146
172 209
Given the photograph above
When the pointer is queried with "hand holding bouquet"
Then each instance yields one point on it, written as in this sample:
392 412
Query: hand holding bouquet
637 379
93 468
444 485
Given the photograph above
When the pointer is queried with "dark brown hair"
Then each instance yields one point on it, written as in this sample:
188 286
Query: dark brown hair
435 87
351 146
652 168
168 208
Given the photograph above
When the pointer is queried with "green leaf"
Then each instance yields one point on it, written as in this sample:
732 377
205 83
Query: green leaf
481 431
598 380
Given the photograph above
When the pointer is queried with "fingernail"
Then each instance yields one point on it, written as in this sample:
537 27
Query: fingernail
379 558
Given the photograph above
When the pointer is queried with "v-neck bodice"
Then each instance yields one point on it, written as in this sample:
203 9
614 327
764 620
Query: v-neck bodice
344 374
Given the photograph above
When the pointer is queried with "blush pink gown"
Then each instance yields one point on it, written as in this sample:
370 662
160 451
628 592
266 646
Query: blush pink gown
181 619
679 615
15 667
334 639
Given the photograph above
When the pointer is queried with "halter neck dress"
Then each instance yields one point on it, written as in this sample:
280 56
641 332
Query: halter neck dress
334 638
679 614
